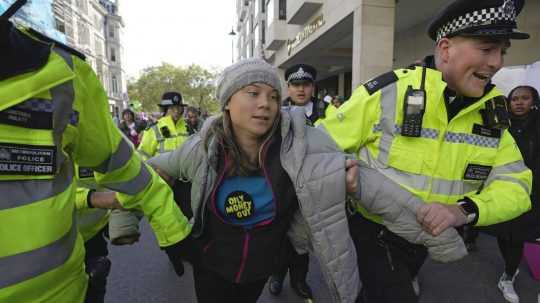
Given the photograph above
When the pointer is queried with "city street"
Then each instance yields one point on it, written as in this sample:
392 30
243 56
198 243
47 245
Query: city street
142 274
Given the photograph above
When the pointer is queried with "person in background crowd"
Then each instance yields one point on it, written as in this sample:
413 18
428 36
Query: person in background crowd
300 86
523 102
130 126
170 131
244 167
194 123
205 115
434 129
337 101
66 120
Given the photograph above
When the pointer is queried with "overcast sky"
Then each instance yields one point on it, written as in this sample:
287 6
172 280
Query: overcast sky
179 32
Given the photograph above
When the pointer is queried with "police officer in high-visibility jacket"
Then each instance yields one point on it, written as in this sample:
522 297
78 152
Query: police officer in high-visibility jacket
92 224
300 88
439 130
54 112
170 131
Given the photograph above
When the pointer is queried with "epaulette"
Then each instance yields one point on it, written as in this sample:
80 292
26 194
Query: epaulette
380 82
60 45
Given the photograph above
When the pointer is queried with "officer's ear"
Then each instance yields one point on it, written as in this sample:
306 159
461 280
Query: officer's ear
443 49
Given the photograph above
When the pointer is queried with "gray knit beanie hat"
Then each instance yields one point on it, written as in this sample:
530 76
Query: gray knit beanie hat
244 73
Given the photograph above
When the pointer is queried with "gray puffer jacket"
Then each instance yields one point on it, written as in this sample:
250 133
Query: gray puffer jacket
383 197
317 169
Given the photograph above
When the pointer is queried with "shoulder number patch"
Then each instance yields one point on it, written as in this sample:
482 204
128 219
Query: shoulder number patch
381 81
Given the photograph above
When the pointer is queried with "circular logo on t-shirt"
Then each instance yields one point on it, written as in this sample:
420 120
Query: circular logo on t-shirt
239 205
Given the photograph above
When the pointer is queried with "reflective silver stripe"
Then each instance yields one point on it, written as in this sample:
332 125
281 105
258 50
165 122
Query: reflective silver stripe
428 133
63 96
133 186
510 168
471 139
25 266
118 159
23 192
388 113
509 179
418 182
159 139
421 182
454 187
91 218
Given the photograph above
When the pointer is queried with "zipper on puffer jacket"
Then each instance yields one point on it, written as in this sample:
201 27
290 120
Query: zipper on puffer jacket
383 243
333 288
245 253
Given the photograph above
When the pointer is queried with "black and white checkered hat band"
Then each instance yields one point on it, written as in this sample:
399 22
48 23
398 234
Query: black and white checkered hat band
300 75
487 16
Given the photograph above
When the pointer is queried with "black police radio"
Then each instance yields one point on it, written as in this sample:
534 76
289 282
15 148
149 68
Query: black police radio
495 114
413 109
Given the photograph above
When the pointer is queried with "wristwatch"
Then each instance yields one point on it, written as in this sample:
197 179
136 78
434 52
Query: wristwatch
469 210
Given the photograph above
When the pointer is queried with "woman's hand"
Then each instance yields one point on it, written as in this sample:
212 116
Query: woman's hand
351 166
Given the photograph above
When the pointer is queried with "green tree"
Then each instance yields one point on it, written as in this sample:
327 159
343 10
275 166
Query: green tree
195 83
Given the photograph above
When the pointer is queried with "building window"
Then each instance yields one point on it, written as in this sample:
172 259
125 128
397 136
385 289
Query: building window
263 7
84 33
98 23
263 32
257 35
98 46
111 31
270 12
114 84
82 5
60 26
282 9
113 55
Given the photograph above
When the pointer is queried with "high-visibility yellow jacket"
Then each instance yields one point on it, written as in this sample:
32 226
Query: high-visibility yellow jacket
52 114
451 160
164 136
89 220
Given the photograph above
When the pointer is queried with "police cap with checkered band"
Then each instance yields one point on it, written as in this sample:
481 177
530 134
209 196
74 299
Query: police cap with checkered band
300 73
171 98
478 18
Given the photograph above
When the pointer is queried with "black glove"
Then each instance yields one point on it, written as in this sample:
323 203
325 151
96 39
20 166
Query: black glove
183 250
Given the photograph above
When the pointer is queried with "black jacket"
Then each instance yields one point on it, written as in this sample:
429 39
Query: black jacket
526 132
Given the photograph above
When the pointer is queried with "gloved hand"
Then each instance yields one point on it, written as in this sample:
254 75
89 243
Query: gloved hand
183 250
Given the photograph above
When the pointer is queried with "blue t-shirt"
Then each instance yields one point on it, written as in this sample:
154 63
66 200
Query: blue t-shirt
245 201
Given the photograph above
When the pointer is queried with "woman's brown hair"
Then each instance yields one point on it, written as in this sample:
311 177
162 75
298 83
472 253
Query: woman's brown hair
222 131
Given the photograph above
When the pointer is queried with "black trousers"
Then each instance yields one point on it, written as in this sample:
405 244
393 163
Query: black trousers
296 264
97 267
387 263
211 288
511 251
